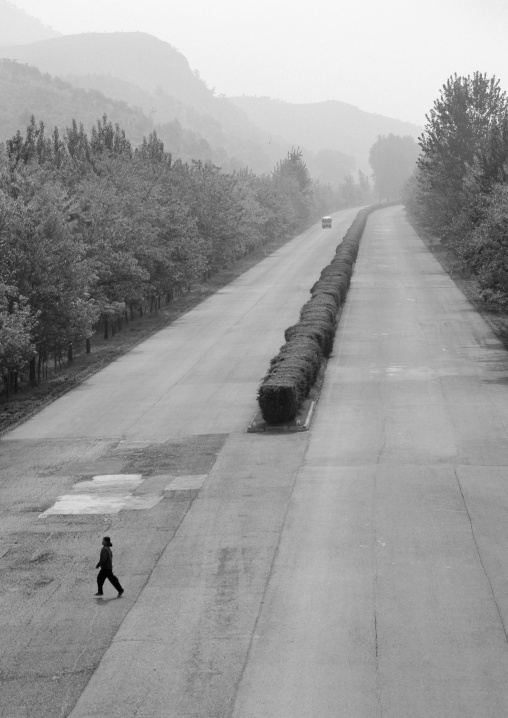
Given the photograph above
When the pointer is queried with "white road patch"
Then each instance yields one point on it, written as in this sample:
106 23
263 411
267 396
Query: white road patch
105 494
185 485
422 373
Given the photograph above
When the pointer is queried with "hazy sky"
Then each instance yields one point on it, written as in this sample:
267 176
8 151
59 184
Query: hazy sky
388 56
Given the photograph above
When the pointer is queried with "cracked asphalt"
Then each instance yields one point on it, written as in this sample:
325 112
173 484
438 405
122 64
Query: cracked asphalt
358 570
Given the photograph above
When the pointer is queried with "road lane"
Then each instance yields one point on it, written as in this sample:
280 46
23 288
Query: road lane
161 411
357 570
200 374
389 594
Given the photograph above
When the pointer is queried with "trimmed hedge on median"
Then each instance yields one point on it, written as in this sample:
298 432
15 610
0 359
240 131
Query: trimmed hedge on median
294 369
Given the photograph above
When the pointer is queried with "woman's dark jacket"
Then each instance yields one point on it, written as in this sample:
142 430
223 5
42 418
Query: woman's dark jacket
106 559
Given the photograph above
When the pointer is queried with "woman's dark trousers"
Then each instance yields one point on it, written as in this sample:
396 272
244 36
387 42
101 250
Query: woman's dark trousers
106 574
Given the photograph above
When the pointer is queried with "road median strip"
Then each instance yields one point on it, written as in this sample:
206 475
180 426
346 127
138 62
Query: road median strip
290 390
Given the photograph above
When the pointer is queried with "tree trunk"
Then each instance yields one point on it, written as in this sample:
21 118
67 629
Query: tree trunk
32 379
70 353
88 347
16 385
106 329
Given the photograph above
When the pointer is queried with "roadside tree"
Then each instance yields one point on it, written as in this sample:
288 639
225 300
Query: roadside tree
455 132
393 160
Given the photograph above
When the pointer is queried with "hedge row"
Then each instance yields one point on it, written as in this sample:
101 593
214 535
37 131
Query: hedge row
294 369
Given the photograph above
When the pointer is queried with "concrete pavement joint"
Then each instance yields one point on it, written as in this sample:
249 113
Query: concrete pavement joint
480 556
44 676
267 584
375 582
63 711
375 587
148 576
219 339
37 552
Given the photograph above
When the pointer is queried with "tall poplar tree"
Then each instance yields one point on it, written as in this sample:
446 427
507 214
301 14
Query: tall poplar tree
456 129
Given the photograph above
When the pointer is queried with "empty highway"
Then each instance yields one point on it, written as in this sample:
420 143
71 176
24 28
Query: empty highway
359 570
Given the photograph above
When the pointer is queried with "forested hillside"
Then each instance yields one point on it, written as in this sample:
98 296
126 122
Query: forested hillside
150 74
26 91
146 72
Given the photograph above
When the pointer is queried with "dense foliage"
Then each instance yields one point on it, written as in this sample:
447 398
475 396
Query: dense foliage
93 230
460 188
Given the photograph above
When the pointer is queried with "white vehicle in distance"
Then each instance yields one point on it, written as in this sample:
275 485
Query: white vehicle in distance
326 222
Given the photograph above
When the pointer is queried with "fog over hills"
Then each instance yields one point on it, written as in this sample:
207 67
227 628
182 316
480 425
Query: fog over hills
154 86
332 124
16 27
25 91
136 59
133 57
146 72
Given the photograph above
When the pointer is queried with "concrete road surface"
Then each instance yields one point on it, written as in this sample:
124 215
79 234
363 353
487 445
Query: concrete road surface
153 423
359 570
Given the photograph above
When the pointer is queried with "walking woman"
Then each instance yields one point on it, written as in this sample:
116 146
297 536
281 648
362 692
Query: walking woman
106 568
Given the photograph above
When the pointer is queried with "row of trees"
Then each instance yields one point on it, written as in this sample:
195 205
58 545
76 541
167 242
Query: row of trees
93 230
460 188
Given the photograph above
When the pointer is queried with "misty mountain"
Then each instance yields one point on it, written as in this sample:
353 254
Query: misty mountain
141 70
247 146
25 91
333 125
134 57
145 83
18 28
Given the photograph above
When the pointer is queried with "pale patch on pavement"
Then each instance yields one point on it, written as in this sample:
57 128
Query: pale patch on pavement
403 373
110 493
107 494
185 485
